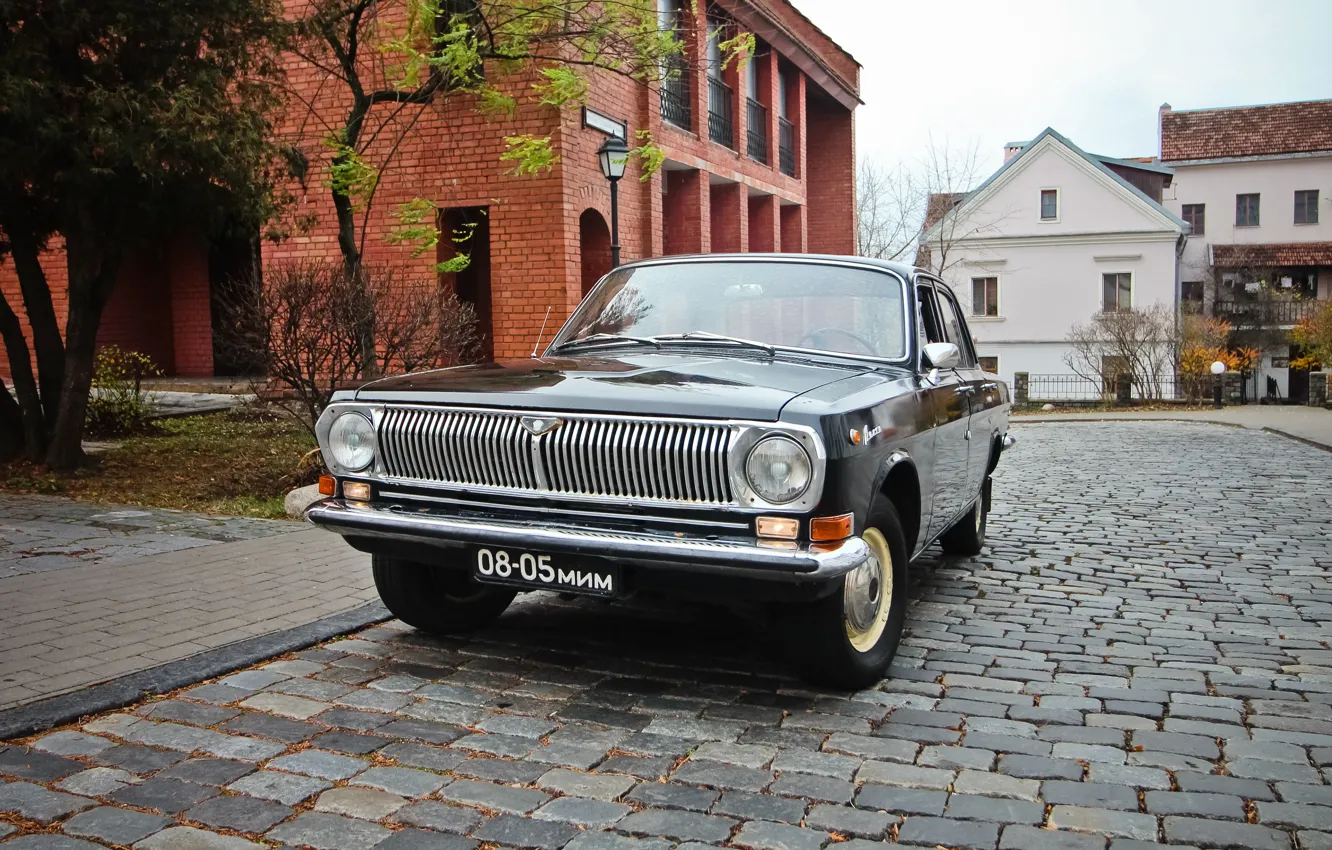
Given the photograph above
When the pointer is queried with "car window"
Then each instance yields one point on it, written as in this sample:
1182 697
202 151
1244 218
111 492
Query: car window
818 306
955 327
928 327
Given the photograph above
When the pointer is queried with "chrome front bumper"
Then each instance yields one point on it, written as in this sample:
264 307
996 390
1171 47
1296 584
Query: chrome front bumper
673 551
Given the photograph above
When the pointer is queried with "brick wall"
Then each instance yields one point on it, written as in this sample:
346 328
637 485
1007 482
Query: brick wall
832 195
449 154
57 277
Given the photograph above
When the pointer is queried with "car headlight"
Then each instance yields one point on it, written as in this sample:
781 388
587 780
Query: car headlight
351 441
778 470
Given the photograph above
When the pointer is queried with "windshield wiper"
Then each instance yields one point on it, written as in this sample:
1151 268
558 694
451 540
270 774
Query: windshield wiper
601 339
708 338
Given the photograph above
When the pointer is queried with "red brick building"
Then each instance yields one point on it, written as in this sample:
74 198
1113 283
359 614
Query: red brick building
757 159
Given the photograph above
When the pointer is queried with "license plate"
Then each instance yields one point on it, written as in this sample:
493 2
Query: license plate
534 571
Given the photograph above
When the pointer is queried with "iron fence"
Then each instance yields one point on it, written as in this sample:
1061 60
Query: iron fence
756 142
721 122
675 106
1042 389
1047 388
1266 313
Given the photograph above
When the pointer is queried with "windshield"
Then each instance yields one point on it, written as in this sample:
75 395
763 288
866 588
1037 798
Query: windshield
815 306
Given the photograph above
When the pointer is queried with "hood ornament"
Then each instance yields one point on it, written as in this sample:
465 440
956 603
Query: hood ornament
538 425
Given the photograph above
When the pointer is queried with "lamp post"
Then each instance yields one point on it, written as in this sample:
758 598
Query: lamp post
613 154
1218 369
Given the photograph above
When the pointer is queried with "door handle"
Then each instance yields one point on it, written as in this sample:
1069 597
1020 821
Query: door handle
990 386
965 390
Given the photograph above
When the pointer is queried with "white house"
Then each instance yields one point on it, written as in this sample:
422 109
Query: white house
1051 238
1255 183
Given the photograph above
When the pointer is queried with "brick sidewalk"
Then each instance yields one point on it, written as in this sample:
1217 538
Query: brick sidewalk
70 628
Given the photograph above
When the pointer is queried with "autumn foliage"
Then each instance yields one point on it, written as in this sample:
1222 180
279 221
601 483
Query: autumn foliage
1314 333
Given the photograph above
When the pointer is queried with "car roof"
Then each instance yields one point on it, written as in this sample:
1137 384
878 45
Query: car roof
903 269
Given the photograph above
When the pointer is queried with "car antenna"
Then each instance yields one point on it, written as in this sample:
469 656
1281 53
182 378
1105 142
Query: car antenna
541 332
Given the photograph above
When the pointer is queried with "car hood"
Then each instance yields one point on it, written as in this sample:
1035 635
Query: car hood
650 383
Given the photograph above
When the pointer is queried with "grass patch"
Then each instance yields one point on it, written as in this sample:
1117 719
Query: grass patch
240 463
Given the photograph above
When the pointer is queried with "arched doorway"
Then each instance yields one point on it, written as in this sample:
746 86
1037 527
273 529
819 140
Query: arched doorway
593 247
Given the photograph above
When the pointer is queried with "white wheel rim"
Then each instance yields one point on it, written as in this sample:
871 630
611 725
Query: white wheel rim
867 595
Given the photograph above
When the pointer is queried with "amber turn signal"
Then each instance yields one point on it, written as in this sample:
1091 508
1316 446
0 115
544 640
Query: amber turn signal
830 527
357 491
327 485
782 527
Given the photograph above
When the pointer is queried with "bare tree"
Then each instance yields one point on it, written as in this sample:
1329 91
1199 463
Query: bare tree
301 327
1143 344
947 176
890 206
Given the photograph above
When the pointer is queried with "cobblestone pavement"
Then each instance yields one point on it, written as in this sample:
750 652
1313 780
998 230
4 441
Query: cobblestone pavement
42 533
1140 656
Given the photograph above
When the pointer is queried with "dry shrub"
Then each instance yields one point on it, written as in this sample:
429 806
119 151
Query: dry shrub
303 324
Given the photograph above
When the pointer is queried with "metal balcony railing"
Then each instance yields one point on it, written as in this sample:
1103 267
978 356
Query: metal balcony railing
786 147
1275 313
756 141
721 121
675 106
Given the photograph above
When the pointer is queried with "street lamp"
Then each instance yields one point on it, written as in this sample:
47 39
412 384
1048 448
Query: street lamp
613 154
1218 369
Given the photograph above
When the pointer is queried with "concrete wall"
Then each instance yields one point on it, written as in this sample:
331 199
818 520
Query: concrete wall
1089 200
1276 181
1050 272
1046 289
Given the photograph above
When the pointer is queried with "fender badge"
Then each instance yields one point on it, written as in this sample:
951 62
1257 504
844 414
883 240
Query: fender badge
538 425
865 435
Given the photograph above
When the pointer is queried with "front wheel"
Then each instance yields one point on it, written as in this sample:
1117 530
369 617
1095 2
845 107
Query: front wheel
434 599
967 536
848 638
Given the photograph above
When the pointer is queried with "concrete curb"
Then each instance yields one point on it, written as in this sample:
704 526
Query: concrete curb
1289 436
1068 420
65 708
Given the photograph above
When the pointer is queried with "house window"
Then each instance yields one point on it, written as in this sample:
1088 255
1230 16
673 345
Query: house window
985 296
989 364
1191 296
1112 366
1306 206
1049 204
1246 210
1195 216
1117 291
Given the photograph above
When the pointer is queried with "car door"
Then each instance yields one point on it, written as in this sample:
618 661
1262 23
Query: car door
947 395
972 385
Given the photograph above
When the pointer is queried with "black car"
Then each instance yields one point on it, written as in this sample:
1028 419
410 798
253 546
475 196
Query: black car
787 429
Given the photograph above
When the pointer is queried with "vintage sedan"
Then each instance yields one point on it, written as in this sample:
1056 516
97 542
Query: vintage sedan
784 429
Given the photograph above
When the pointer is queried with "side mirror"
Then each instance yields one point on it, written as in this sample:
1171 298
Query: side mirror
941 355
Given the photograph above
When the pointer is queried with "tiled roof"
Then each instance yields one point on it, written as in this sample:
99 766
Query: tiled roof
1290 254
1279 128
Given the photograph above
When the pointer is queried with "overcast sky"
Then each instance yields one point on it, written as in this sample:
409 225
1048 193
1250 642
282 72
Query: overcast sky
1095 70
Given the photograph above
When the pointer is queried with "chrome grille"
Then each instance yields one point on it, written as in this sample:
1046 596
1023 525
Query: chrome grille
457 447
606 457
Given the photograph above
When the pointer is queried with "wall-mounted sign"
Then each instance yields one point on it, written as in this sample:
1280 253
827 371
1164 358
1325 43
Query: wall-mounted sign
603 123
1280 362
